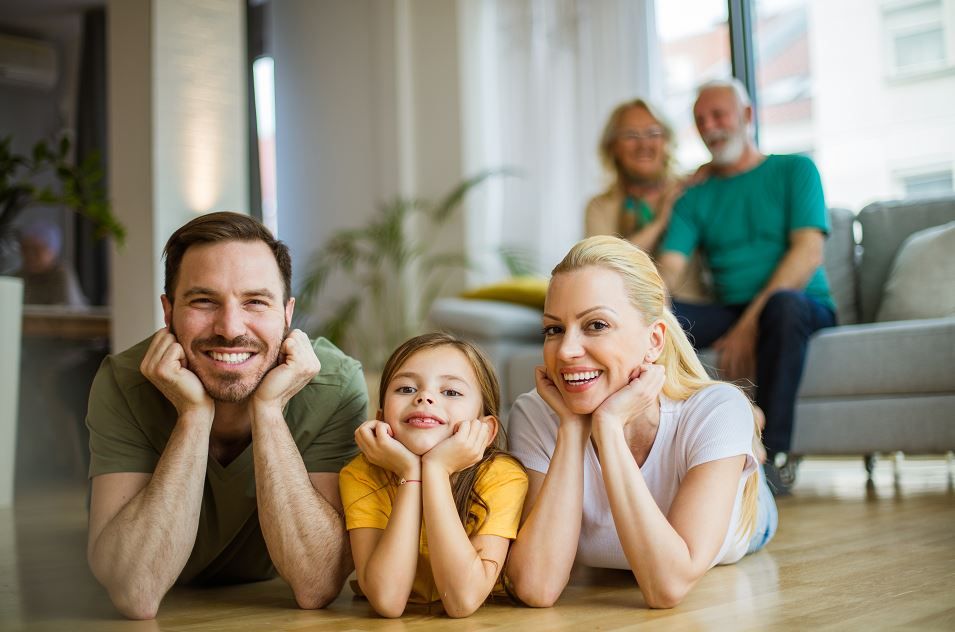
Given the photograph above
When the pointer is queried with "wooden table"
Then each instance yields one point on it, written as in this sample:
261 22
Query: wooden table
60 321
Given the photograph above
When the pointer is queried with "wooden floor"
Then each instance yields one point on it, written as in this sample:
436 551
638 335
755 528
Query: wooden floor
848 556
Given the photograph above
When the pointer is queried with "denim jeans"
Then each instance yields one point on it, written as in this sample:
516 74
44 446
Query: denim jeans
767 516
787 321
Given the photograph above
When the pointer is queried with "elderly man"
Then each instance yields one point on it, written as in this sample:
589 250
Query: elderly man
216 443
760 222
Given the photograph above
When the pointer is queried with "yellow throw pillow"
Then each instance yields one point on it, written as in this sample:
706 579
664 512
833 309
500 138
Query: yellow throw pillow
523 290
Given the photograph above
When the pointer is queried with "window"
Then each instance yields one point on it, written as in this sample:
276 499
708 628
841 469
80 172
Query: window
695 46
263 73
928 184
915 37
784 77
821 90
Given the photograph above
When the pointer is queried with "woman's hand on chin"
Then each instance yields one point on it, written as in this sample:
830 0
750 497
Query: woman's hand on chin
638 400
552 397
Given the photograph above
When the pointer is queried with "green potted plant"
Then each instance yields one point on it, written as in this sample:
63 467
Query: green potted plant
395 268
79 188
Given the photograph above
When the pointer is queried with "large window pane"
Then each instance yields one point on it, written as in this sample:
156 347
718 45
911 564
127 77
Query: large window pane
863 87
694 40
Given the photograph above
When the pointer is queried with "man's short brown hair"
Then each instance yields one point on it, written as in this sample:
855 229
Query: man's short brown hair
218 227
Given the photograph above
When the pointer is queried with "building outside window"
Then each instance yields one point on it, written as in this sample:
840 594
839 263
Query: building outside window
864 88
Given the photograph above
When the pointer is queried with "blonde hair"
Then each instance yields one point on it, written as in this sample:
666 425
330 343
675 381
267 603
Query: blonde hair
612 129
647 293
463 484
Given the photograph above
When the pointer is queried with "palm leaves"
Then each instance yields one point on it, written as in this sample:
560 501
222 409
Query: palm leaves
393 270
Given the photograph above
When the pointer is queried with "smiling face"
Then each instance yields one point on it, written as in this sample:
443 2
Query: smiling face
723 124
433 391
228 315
640 146
595 339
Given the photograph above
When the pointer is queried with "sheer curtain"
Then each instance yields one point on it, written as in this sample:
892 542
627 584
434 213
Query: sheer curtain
539 79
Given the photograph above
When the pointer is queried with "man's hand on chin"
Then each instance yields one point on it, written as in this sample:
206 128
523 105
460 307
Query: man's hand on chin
737 349
299 365
166 367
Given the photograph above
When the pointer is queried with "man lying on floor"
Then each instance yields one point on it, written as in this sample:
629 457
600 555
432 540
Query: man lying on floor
216 443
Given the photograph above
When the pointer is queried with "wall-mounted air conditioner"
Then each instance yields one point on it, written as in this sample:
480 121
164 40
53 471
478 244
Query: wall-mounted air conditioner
28 62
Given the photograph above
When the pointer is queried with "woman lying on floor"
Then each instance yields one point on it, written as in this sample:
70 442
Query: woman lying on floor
636 459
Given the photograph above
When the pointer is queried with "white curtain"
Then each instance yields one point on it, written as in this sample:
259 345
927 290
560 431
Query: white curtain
539 78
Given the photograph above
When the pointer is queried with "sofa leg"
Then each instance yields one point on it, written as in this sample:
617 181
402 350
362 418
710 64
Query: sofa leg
870 463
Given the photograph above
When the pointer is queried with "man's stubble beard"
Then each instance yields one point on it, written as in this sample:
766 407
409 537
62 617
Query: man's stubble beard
234 388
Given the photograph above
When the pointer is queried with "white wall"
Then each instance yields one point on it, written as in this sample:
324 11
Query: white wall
135 269
200 110
366 106
334 136
177 133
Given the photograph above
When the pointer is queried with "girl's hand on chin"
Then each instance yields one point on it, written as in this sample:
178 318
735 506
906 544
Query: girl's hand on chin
639 399
552 397
376 441
462 449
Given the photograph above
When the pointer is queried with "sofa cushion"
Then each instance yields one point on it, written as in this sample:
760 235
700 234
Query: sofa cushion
907 357
885 225
922 280
522 290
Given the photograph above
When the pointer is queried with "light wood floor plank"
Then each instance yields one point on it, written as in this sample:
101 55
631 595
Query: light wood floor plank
847 556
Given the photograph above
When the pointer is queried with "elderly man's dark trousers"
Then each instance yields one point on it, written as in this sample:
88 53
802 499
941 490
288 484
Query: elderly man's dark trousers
786 323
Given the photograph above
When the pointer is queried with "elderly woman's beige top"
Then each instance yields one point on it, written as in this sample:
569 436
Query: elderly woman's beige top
602 217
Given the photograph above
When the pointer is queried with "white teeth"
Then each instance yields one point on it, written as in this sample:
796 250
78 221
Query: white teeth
422 420
230 358
581 377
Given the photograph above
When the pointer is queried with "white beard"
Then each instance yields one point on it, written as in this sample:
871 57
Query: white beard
731 151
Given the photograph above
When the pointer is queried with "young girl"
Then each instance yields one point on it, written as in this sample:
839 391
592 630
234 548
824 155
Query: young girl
432 503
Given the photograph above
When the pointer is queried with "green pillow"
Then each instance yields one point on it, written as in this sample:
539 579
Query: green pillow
523 290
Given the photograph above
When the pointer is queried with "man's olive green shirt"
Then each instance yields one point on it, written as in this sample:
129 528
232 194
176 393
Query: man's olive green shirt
130 422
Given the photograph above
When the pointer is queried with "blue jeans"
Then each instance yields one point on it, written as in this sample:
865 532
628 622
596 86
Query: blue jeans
785 325
767 516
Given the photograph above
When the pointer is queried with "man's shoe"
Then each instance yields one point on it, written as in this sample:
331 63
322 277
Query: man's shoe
781 473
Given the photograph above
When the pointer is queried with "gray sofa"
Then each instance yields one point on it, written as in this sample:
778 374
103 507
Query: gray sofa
868 386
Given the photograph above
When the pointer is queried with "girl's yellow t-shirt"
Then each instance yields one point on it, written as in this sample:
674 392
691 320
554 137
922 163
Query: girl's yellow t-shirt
368 495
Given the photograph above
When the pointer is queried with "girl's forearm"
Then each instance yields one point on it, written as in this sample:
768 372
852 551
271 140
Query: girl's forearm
388 576
542 556
463 578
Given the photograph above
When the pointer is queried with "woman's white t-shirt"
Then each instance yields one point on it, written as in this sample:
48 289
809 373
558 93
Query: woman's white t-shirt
716 422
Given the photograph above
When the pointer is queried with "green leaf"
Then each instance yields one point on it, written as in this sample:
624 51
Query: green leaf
519 261
391 263
39 152
450 202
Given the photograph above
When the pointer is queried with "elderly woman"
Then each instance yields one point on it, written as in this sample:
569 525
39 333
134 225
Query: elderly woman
636 459
636 149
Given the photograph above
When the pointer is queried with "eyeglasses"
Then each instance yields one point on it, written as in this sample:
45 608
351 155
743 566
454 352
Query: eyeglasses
632 135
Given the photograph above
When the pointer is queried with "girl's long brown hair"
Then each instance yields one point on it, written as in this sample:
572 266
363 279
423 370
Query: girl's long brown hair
462 483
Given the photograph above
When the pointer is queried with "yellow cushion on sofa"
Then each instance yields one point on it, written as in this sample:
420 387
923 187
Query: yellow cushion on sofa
523 290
